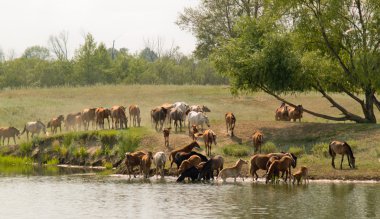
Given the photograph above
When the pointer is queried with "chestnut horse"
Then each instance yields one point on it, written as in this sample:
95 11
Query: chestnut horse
338 147
54 123
101 114
209 137
188 148
8 133
134 115
230 122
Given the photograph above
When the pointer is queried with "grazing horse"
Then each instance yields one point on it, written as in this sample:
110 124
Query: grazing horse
230 122
191 173
197 118
338 147
33 127
209 137
159 160
158 116
88 115
180 157
8 133
134 115
303 173
54 123
176 114
166 132
70 121
282 113
206 170
118 117
232 171
186 148
295 113
193 161
101 114
257 140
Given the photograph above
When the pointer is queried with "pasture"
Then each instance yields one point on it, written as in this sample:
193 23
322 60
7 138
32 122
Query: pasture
308 139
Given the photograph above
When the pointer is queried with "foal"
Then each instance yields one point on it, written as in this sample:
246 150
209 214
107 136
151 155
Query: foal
166 132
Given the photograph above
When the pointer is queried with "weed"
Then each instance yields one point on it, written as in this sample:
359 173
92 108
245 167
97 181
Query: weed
268 147
53 161
298 151
320 150
236 150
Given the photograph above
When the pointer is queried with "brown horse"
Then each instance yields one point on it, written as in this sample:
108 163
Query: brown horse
295 113
118 114
194 160
132 160
70 121
54 123
257 140
338 147
100 115
217 164
209 137
303 173
88 115
158 116
186 149
230 122
146 162
284 165
134 115
176 115
8 133
282 113
232 171
166 132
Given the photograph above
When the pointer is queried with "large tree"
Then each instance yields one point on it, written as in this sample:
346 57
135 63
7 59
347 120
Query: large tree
322 45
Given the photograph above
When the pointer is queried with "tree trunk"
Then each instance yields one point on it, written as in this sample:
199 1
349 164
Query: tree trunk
369 102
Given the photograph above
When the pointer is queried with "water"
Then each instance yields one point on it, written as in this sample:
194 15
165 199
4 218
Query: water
95 196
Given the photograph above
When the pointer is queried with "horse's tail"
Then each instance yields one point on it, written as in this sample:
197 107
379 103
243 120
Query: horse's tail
23 130
330 150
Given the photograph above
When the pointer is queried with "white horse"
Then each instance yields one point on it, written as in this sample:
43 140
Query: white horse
159 159
33 127
184 107
197 118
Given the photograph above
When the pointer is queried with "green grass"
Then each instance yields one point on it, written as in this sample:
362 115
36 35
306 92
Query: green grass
52 162
15 161
236 150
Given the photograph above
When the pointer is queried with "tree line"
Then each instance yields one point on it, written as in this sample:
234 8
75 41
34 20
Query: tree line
94 63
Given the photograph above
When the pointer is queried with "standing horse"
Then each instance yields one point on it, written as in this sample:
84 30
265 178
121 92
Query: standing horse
134 114
230 122
295 113
197 118
282 113
176 114
101 114
88 115
257 140
158 116
338 147
8 133
209 137
54 123
33 127
188 148
70 121
118 114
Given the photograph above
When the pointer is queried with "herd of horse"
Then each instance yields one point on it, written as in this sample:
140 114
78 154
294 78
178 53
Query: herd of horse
189 163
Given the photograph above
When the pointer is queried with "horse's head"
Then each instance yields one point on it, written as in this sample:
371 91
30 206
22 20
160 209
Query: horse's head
195 145
206 120
352 160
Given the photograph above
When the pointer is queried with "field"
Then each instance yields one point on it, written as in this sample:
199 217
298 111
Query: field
308 139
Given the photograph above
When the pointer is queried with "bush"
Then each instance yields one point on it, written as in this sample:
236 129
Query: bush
53 161
268 147
320 150
108 165
298 151
236 150
26 148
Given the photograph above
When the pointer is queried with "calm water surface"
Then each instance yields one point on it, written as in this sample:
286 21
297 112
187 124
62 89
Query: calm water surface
94 196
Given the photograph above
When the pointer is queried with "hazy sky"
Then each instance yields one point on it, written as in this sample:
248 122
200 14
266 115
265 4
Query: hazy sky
25 23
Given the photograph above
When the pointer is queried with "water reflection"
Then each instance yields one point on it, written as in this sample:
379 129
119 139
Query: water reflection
89 196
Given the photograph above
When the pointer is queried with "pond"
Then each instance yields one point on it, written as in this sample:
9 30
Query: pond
90 195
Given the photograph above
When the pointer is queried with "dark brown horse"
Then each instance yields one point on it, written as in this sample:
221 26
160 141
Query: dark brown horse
8 133
54 123
176 115
186 149
158 116
338 147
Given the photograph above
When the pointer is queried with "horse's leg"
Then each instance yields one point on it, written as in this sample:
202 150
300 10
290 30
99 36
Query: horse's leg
348 160
332 162
341 162
8 140
14 139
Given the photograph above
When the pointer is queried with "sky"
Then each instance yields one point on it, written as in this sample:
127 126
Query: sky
131 23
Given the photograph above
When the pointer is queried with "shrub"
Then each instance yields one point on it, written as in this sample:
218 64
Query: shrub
26 148
236 150
63 151
320 150
53 161
298 151
108 165
268 147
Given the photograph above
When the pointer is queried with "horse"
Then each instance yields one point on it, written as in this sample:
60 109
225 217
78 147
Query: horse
78 122
303 173
230 122
166 132
295 113
176 114
183 107
194 160
33 127
217 164
284 164
101 114
209 137
146 162
257 140
88 115
232 171
8 133
134 115
199 108
54 123
186 148
282 113
159 160
206 170
158 116
118 114
338 147
197 118
191 173
181 156
194 132
70 121
132 160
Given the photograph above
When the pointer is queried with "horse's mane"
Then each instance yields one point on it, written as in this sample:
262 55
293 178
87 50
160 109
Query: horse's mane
349 150
41 123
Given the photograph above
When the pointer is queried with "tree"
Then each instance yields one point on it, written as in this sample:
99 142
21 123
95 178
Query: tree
58 45
298 45
36 52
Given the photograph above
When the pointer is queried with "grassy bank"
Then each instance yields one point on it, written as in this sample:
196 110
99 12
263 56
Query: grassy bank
308 139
